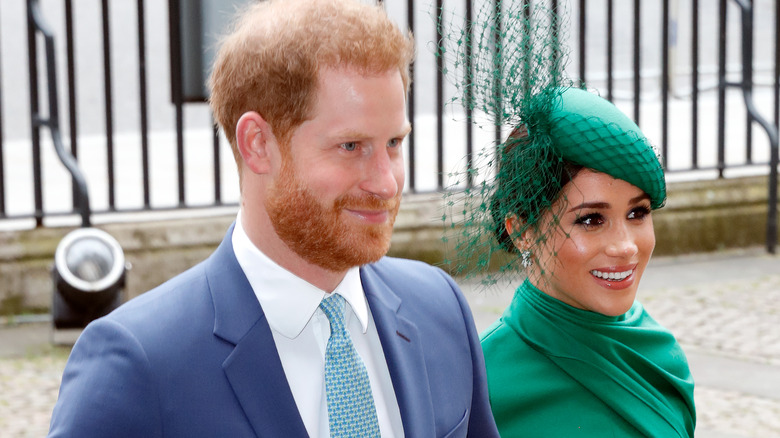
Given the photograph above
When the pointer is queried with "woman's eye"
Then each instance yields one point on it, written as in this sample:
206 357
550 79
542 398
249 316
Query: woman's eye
639 212
590 220
349 146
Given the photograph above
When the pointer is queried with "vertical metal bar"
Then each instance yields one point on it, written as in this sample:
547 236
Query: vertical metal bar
747 92
439 105
142 101
665 84
53 121
411 103
108 104
527 46
556 29
771 130
774 157
747 79
176 92
776 84
469 94
71 72
695 84
35 24
610 50
498 63
637 58
582 41
217 163
35 135
180 151
721 87
2 163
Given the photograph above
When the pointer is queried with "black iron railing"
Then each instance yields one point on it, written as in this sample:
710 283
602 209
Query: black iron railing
38 26
628 80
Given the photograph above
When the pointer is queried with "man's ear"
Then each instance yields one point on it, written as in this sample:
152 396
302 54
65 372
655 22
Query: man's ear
255 142
514 226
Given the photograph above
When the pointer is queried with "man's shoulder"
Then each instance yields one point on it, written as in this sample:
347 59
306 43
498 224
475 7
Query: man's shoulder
414 280
178 295
395 264
394 270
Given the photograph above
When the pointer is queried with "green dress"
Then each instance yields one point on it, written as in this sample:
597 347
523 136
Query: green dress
557 371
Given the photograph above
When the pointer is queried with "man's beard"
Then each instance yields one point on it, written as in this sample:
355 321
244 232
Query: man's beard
319 234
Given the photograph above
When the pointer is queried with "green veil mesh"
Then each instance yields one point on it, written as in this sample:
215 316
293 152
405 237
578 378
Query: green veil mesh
507 66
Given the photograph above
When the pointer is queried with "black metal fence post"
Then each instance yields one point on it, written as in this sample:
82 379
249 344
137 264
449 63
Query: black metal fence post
70 60
746 85
2 163
439 104
637 59
36 24
411 103
108 105
665 82
142 98
722 85
695 84
35 134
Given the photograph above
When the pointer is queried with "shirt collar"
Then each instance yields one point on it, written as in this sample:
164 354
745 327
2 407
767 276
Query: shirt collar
288 301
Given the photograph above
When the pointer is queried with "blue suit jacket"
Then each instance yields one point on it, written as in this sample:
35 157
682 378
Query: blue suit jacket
195 357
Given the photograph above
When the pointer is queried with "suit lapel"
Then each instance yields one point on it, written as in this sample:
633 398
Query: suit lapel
253 369
403 353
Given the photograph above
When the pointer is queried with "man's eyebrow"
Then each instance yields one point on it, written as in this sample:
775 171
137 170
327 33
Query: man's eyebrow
359 135
350 134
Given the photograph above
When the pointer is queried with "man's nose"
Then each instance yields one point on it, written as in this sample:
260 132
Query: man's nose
380 175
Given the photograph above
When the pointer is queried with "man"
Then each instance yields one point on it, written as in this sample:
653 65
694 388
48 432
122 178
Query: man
311 95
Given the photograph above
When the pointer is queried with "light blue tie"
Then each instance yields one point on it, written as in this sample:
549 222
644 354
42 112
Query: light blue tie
351 410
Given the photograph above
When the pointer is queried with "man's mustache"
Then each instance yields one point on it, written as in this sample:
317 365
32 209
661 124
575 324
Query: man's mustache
367 202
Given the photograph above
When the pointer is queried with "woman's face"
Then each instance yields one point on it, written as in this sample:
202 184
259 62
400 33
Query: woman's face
596 241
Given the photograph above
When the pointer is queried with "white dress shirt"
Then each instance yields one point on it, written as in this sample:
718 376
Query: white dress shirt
301 330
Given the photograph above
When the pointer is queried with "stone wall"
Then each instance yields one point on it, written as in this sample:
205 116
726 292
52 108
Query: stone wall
699 216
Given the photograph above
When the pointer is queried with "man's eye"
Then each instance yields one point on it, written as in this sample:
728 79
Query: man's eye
349 146
394 143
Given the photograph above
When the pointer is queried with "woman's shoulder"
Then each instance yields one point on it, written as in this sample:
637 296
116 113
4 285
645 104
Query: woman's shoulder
501 344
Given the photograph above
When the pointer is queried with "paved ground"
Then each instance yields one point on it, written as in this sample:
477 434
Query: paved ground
724 309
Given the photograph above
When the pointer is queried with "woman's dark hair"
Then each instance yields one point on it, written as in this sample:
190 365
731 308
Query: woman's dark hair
515 194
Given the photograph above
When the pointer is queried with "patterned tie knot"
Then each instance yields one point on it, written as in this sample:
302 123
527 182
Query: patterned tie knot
333 306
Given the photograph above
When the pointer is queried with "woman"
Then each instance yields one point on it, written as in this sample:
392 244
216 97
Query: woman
574 354
570 194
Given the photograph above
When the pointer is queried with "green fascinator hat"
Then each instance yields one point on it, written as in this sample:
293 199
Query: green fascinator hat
563 130
591 131
508 64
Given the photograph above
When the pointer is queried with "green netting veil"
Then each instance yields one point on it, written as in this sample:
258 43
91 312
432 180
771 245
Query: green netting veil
556 130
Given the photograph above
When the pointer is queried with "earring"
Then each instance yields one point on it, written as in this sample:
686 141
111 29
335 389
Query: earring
525 258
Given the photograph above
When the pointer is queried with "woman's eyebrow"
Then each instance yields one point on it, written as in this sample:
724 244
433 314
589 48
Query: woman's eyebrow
599 204
590 205
642 197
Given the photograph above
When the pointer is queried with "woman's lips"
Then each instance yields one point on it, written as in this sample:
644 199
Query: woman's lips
619 277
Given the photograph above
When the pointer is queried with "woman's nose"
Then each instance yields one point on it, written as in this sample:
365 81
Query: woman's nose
622 243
